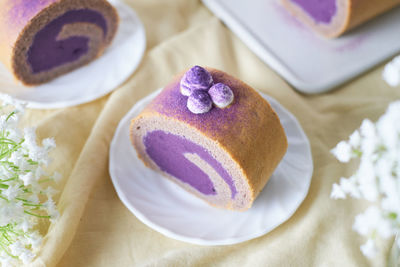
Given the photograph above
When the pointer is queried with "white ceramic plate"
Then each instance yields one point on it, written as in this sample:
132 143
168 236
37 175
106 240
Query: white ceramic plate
90 82
170 210
312 64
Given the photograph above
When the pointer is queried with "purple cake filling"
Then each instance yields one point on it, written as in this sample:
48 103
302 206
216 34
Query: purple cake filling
46 52
167 151
321 11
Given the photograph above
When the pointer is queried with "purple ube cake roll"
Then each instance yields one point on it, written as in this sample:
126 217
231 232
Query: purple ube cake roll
335 17
43 39
213 135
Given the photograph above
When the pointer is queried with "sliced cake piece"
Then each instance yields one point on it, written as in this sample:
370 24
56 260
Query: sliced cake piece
43 39
334 17
213 135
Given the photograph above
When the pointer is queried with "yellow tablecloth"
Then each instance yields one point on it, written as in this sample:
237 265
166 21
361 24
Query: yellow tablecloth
95 228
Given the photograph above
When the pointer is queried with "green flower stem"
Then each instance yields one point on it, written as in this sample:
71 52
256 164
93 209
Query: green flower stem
33 205
11 233
6 237
37 215
7 252
4 186
10 151
31 162
357 153
8 180
10 115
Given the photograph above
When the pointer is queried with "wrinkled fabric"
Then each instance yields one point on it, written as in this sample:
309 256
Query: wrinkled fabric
96 229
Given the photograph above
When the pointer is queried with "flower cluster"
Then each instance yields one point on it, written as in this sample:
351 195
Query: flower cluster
377 179
391 72
24 197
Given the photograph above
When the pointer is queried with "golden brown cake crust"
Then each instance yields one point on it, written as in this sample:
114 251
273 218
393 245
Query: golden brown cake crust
351 13
249 130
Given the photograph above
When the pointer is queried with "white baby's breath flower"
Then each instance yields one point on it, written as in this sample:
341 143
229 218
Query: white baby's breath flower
28 178
10 213
19 249
369 141
49 143
22 179
377 178
35 240
50 191
349 186
355 139
367 180
366 222
14 134
24 225
27 256
11 192
40 172
337 192
7 261
18 159
391 72
369 249
387 131
3 122
342 151
33 198
7 100
51 208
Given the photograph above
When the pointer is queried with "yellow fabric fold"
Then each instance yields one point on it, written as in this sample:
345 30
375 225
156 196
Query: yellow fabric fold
95 229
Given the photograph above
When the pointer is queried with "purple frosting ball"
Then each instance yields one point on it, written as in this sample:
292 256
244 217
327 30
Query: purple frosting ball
199 102
197 78
221 95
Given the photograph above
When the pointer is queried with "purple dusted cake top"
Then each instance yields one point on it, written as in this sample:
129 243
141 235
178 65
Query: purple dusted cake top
221 95
168 152
171 103
47 52
199 102
197 78
322 11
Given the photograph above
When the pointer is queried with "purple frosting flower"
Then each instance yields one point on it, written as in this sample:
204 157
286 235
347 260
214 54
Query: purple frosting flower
197 78
221 95
199 102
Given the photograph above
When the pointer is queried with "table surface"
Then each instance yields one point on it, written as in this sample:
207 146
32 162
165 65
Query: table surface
95 228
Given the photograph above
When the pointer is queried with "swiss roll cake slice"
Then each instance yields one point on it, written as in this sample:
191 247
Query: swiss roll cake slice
43 39
213 135
334 17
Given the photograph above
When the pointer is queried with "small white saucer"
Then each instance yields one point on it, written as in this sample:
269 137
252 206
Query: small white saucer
90 82
170 210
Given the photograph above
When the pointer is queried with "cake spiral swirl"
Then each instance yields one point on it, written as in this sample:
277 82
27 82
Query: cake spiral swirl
224 156
43 39
333 18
